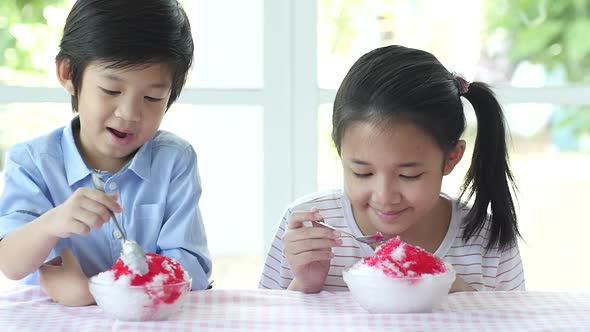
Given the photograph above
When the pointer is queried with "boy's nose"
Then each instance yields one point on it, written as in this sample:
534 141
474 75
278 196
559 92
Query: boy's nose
128 111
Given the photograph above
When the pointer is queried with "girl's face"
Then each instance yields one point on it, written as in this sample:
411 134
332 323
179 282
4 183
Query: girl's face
393 176
120 110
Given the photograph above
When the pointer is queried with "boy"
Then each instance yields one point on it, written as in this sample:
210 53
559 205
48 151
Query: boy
124 63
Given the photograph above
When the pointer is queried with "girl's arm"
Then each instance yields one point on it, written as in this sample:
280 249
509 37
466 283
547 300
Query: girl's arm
276 273
510 273
461 286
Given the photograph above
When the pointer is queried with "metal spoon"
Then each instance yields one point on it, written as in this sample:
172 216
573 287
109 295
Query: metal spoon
368 239
132 253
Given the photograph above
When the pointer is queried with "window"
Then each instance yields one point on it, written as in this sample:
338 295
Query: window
220 112
527 51
264 74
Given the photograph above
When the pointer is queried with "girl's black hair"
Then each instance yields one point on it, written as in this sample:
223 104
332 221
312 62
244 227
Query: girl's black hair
396 83
127 33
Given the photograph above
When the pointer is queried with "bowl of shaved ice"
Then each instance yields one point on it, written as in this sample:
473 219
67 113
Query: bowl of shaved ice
125 294
399 278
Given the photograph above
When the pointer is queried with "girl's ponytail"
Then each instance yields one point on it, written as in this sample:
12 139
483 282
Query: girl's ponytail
489 178
395 82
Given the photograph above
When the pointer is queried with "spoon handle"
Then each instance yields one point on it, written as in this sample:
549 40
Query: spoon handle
118 226
99 185
323 223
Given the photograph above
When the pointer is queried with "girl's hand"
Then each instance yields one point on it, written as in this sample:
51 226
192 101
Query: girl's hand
63 280
461 286
87 208
309 251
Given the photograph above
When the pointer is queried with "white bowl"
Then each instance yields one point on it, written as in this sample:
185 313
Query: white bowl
385 294
138 303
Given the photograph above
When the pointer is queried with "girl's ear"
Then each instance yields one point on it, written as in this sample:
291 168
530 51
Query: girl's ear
454 157
64 75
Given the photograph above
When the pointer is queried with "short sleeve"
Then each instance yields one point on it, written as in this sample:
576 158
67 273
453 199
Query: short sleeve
182 235
510 272
276 273
25 196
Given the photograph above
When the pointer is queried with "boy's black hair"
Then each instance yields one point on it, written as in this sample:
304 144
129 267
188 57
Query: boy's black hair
126 34
396 83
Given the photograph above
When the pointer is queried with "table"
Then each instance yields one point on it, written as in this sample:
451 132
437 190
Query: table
26 308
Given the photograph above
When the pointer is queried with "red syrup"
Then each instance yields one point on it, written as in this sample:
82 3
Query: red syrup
399 259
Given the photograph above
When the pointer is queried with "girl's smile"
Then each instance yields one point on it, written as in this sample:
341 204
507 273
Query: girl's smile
389 217
392 176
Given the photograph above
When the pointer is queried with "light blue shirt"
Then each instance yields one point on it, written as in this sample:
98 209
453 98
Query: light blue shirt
159 190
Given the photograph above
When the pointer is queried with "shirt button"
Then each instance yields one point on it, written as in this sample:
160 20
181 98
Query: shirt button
112 185
117 234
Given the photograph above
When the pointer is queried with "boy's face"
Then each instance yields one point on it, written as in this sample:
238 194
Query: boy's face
120 109
393 176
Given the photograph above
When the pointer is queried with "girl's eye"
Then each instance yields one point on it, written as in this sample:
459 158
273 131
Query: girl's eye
410 177
152 99
362 175
110 92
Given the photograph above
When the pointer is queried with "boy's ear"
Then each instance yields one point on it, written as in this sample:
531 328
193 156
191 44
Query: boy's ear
453 157
62 68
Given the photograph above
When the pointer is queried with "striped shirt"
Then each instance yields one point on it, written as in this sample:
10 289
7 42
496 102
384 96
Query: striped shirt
483 270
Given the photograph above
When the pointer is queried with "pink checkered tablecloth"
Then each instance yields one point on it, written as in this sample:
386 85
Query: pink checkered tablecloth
26 308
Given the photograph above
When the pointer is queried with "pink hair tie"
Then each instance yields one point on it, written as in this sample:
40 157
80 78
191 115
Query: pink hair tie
462 84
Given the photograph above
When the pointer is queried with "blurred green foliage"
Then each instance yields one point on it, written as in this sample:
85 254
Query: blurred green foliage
550 33
24 33
341 15
27 43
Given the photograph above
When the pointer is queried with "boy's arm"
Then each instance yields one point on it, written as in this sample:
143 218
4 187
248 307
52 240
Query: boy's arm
182 236
25 240
23 250
63 280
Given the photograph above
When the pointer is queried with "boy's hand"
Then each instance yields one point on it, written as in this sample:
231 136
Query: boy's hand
87 208
309 251
63 280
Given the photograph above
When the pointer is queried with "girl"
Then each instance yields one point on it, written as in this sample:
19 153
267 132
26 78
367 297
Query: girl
397 124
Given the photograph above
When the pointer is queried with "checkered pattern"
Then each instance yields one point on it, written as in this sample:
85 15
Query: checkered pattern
26 308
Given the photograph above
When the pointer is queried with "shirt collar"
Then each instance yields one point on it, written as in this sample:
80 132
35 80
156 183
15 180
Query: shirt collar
76 168
74 165
142 161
